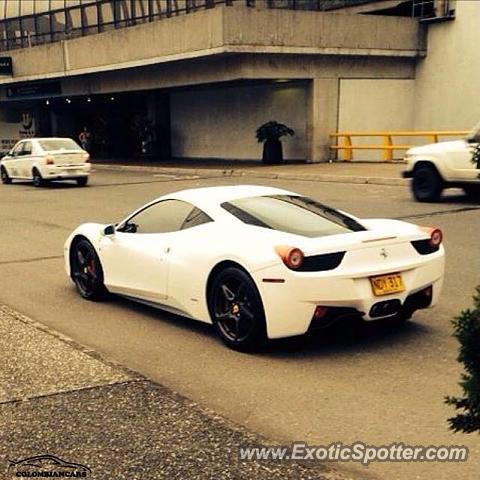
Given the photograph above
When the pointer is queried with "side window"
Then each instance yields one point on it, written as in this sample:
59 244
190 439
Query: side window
195 217
162 217
17 150
27 148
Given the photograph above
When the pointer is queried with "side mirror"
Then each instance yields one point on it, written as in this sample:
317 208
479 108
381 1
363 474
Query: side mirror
109 230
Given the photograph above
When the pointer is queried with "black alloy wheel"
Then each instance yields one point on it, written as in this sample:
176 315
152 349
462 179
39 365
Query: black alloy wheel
6 180
86 270
426 184
236 310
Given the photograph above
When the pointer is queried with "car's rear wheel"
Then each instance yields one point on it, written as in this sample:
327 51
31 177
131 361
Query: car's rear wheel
82 181
236 310
86 270
426 184
6 180
37 178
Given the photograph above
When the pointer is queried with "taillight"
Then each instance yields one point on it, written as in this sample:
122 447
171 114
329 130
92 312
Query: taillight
86 158
436 236
49 161
292 257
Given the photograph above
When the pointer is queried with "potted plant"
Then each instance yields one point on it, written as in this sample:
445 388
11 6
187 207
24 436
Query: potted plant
270 133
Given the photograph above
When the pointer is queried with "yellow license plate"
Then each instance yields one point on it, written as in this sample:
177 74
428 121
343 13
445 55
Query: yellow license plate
386 284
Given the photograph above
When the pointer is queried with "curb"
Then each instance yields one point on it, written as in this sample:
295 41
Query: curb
212 172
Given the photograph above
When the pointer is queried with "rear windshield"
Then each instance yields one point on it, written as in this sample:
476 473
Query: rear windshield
59 144
292 214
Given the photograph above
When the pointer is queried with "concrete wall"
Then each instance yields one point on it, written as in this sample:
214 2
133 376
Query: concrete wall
376 105
220 30
448 79
221 122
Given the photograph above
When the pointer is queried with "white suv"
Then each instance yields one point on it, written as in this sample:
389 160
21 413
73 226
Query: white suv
437 166
45 159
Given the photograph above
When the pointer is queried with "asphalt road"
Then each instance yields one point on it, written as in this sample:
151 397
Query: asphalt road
382 386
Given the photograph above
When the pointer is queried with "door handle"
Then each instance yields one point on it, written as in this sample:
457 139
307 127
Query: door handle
166 250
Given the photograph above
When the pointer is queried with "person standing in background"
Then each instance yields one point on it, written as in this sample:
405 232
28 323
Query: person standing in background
85 138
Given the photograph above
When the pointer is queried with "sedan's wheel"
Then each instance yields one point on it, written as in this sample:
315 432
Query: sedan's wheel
87 270
426 184
37 179
237 311
82 181
6 180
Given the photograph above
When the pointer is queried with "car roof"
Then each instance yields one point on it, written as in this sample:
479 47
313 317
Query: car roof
216 195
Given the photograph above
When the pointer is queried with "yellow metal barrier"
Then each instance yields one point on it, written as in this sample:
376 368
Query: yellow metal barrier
387 146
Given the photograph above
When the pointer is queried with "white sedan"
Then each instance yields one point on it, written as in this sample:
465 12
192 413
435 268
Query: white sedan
44 159
258 262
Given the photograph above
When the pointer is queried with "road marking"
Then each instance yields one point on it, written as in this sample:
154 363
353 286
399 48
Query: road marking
30 260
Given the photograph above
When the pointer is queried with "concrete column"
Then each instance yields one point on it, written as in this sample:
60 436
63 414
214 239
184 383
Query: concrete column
322 110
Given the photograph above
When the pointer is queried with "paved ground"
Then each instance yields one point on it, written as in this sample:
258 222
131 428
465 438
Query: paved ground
384 386
57 397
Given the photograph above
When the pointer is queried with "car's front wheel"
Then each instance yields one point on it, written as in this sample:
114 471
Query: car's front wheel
6 180
86 270
426 184
236 310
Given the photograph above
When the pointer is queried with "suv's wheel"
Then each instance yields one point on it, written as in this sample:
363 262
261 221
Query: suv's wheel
427 185
37 178
86 270
236 310
6 180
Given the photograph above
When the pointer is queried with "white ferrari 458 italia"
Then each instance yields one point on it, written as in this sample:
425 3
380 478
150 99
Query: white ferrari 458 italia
258 262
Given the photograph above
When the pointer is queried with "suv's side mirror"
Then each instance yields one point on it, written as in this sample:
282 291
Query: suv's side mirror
109 230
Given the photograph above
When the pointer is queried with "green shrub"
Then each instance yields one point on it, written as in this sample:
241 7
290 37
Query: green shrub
467 332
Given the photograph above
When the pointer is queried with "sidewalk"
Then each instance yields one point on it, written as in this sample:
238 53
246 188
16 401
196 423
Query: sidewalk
60 399
344 172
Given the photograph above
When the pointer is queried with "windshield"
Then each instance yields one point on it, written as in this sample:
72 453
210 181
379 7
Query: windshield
59 144
292 214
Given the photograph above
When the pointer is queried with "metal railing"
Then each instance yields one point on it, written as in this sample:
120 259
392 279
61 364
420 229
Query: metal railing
345 146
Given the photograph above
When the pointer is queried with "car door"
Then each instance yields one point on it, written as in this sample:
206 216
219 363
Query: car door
459 161
25 160
135 258
13 163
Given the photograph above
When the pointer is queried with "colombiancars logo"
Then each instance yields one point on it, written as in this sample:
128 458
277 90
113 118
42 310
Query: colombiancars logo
46 466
